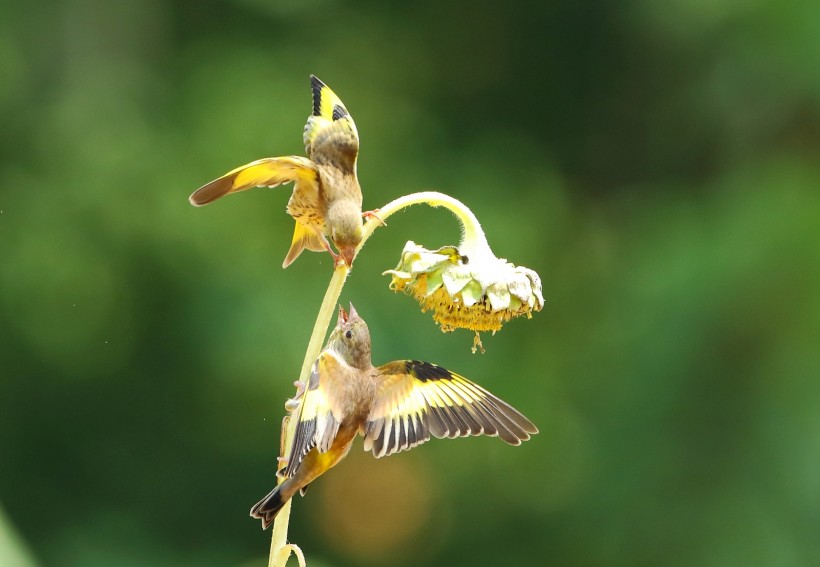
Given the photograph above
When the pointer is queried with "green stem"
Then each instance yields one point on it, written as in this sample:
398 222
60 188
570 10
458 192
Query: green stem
279 537
473 240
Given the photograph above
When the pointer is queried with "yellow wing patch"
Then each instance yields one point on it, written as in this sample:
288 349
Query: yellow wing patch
325 102
319 413
330 133
417 399
267 172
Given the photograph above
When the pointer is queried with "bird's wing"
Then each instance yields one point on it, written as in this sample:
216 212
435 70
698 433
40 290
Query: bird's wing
319 414
330 133
417 399
267 172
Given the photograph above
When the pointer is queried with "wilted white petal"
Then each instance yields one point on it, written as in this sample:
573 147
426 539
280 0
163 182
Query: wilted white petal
472 294
521 287
398 274
515 303
433 281
499 296
418 263
455 279
487 271
535 280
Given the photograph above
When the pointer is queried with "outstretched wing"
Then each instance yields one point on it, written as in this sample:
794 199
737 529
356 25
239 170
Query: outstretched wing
417 399
330 133
319 414
267 172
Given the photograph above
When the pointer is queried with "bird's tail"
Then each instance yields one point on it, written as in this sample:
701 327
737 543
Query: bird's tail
303 237
267 508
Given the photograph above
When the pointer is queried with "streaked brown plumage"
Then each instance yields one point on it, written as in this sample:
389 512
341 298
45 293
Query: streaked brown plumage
327 201
396 407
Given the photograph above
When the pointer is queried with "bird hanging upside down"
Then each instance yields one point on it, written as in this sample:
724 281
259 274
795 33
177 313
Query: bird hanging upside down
396 406
327 199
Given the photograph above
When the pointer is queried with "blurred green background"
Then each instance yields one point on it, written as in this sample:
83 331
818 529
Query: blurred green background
656 162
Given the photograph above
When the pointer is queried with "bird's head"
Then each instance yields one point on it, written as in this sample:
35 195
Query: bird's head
345 224
351 339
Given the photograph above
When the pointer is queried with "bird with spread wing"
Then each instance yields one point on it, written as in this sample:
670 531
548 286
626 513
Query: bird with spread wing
396 407
327 199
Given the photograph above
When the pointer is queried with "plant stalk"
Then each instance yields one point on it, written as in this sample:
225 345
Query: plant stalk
473 240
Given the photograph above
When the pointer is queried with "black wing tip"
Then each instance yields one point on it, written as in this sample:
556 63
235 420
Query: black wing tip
425 371
316 86
203 196
212 191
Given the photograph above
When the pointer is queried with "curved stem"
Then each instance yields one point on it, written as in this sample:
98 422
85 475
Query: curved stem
472 241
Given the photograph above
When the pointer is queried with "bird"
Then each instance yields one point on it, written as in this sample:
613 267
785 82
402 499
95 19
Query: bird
327 199
395 407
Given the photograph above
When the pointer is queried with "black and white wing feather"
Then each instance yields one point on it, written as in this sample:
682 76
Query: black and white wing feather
415 400
320 412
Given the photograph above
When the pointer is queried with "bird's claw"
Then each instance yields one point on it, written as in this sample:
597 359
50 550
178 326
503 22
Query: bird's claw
374 214
300 388
293 403
338 259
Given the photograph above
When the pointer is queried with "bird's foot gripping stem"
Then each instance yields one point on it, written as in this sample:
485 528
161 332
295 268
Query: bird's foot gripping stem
374 214
293 403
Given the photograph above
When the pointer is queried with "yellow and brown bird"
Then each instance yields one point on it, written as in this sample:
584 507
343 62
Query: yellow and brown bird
396 407
326 200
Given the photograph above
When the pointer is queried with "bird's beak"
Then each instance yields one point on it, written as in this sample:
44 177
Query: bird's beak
352 315
348 253
343 316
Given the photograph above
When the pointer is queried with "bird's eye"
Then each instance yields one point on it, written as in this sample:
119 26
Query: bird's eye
349 334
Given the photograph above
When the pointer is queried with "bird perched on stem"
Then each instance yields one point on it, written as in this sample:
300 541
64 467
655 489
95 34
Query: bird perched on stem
327 200
396 406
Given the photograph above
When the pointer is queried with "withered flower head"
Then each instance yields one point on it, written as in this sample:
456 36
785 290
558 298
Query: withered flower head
477 291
